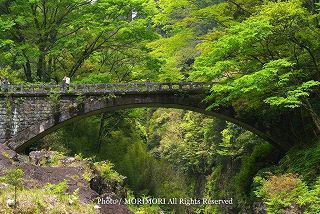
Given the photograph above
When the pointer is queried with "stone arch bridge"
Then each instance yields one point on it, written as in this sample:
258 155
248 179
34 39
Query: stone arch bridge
29 112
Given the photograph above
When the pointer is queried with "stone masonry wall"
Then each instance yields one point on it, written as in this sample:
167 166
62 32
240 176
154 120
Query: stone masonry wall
18 113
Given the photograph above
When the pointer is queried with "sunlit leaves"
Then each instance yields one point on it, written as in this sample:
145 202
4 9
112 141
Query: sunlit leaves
172 52
294 98
265 58
62 36
258 84
181 24
232 49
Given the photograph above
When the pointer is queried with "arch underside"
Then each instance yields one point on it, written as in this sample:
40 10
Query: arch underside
37 131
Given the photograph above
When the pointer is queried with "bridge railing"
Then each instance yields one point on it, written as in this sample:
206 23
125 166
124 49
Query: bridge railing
105 87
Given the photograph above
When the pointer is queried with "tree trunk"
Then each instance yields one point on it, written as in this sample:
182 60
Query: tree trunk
101 131
49 69
15 198
315 117
28 71
41 66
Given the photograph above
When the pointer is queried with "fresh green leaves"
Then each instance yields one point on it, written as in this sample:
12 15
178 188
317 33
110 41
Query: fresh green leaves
294 98
269 57
46 40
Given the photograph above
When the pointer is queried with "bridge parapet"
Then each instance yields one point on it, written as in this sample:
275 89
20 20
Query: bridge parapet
43 89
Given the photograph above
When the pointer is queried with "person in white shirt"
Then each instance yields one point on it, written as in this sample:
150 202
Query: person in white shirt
65 82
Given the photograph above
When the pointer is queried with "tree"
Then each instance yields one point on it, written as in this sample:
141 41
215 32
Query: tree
14 177
181 24
47 39
268 57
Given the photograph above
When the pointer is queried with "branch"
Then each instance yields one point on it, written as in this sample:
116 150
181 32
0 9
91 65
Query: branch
239 6
89 50
35 18
68 34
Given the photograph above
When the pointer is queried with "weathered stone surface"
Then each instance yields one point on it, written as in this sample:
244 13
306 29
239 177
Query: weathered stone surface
30 112
36 177
36 157
113 209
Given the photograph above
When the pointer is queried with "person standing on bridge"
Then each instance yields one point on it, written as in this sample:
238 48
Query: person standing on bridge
65 82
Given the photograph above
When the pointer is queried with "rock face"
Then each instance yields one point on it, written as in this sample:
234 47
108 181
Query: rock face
36 157
114 208
38 176
102 186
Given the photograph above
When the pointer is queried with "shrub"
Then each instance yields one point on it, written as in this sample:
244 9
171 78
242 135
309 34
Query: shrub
105 168
51 199
287 193
14 177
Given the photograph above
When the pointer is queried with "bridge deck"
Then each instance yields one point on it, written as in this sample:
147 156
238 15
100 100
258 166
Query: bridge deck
43 89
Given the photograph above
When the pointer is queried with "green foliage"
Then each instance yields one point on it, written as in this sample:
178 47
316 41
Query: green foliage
303 161
93 78
294 185
183 142
55 159
138 165
243 179
235 141
267 56
47 40
288 193
45 201
105 169
14 177
294 98
87 175
14 77
54 99
58 189
264 56
181 24
144 208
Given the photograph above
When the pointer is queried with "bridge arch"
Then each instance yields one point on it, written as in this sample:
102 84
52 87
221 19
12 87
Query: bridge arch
30 112
94 104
